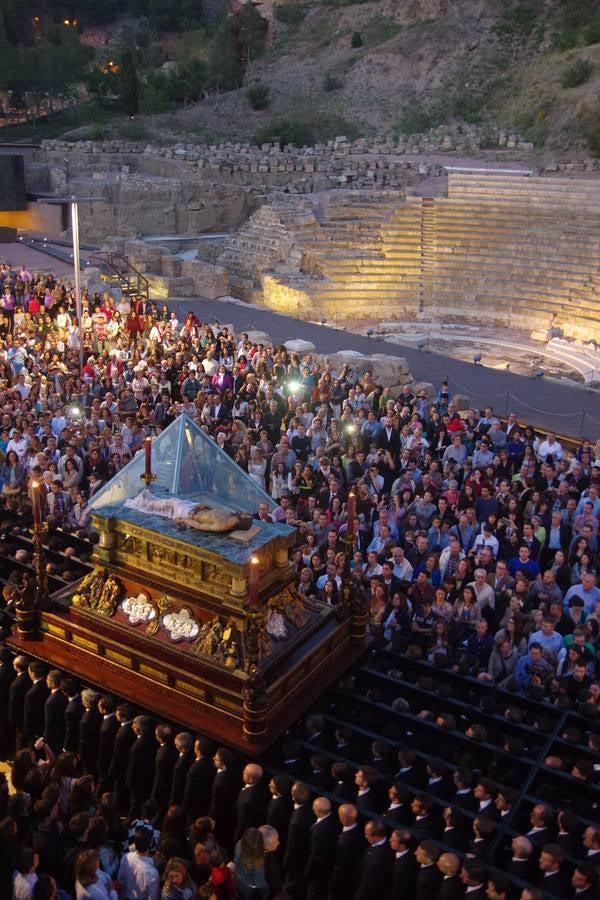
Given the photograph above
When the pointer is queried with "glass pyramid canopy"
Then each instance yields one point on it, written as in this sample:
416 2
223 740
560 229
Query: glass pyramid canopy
189 465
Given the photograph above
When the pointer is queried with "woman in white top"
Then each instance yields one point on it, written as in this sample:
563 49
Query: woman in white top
257 467
91 882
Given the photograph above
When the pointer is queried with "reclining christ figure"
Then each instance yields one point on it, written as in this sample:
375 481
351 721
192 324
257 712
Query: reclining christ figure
202 516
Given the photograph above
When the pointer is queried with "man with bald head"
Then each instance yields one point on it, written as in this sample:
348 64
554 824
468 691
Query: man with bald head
521 865
252 801
348 854
405 865
323 844
451 887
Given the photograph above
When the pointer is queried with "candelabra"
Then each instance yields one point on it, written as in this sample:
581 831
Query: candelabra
148 475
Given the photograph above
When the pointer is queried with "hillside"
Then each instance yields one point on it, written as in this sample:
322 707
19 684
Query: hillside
336 67
421 63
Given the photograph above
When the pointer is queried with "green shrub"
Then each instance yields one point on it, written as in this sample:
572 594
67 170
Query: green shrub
414 120
356 40
290 13
331 83
591 33
380 29
566 39
286 131
577 73
97 132
258 95
134 131
518 20
589 120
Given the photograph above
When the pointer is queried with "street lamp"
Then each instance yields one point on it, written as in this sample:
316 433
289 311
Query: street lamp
74 203
76 264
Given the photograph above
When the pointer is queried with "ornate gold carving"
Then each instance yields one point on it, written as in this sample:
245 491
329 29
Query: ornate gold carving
219 641
99 591
289 604
215 574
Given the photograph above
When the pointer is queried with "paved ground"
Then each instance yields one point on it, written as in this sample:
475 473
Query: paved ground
544 403
17 254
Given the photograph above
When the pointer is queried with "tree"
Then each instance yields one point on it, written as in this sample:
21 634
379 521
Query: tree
129 84
250 28
225 70
190 14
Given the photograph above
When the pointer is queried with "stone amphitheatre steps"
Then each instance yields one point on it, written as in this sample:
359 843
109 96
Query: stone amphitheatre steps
513 251
518 251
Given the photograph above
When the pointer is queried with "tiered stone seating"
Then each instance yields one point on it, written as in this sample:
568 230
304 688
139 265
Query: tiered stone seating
503 250
516 251
371 258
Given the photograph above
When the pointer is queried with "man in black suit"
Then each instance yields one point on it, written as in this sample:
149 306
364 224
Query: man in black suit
367 797
73 714
438 773
108 731
199 781
124 738
377 863
322 850
591 845
7 675
298 842
463 796
348 854
140 765
409 773
451 887
521 864
164 763
16 701
474 878
542 822
252 800
279 809
224 797
455 833
404 873
484 792
499 887
35 699
426 824
319 775
584 881
184 744
389 437
554 879
429 876
89 733
54 712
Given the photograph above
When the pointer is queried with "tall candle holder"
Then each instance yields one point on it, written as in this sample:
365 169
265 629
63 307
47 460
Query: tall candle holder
32 595
254 691
148 476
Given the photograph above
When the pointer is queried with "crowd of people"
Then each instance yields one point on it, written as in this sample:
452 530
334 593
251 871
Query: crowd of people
476 552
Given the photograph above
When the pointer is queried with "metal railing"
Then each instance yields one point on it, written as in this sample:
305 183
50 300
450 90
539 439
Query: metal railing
117 266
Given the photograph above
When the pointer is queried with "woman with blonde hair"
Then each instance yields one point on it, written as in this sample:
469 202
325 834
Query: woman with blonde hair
91 883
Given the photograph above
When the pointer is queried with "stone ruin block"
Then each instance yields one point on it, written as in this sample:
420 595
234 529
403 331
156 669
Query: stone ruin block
209 281
170 266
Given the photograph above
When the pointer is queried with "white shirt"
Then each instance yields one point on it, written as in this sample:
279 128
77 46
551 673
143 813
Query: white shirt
23 886
138 877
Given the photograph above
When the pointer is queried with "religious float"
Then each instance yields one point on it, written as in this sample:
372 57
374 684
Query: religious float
191 610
